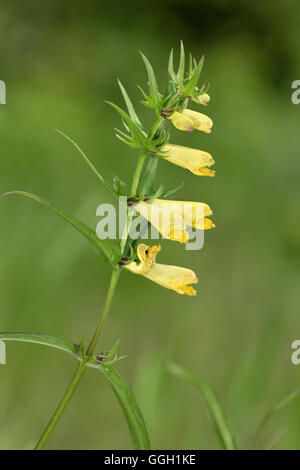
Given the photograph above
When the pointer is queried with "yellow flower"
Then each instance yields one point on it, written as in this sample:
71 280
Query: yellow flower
196 161
171 218
181 122
194 214
170 277
169 223
189 120
203 99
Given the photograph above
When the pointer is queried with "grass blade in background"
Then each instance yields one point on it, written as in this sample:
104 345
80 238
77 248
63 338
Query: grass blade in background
213 405
278 407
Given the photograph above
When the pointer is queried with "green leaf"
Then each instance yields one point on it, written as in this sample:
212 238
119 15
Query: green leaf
146 97
147 180
90 164
173 191
126 139
110 250
190 65
120 187
157 193
171 65
180 73
130 107
154 93
132 412
225 434
125 396
192 83
135 130
46 340
171 74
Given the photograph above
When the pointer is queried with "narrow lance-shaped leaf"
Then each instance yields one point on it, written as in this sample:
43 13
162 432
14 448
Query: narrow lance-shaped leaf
135 130
180 73
213 405
145 96
132 412
147 181
171 65
105 247
90 164
193 82
171 86
45 340
158 193
190 65
173 191
131 110
154 93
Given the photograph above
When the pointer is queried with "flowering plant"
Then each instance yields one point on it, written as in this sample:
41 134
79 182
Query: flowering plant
171 218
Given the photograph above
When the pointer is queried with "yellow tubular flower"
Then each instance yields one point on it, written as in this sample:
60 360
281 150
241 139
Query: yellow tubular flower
181 122
196 161
201 122
189 120
194 214
169 223
203 99
170 277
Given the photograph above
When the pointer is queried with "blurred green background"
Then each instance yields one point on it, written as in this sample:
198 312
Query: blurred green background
60 61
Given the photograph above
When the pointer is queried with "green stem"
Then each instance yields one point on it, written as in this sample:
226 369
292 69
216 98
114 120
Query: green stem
133 191
137 174
114 279
62 406
82 365
136 179
141 160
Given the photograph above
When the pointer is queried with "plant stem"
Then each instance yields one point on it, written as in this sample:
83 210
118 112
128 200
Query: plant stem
62 406
114 279
82 365
141 160
113 282
136 179
133 190
137 174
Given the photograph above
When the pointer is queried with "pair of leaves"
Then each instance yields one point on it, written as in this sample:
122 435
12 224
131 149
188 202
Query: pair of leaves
123 393
109 250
